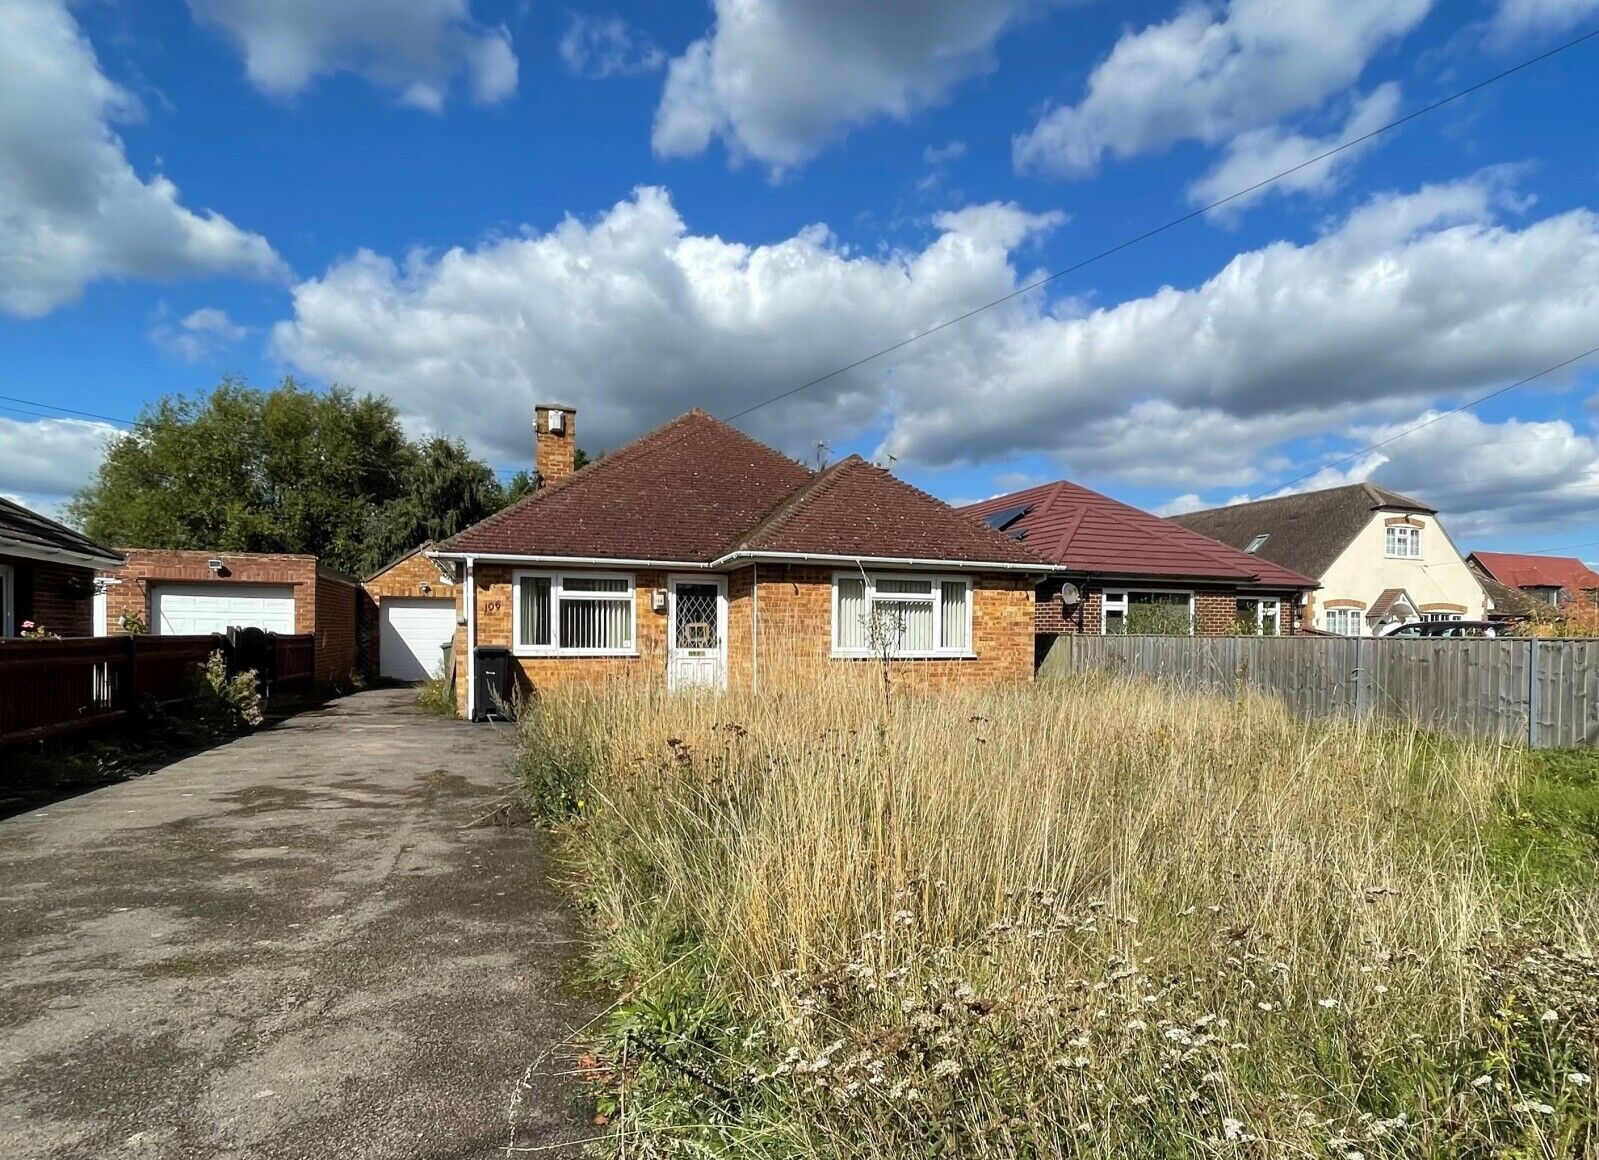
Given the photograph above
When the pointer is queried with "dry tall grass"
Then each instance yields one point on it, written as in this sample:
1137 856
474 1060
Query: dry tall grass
1074 919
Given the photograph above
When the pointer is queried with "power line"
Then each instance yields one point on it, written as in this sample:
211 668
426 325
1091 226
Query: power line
1174 222
1438 418
66 411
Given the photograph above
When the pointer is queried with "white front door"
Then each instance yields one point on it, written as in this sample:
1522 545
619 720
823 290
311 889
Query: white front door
696 642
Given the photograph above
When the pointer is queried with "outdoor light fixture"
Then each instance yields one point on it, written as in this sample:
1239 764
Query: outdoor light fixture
218 568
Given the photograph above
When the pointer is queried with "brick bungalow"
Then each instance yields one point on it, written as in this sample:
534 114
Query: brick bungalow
47 574
697 556
1115 559
180 592
1559 582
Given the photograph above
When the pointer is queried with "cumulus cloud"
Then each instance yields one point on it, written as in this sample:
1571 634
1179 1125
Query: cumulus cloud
1519 19
634 319
778 80
197 335
1210 74
1255 156
1411 299
601 47
50 459
72 209
416 48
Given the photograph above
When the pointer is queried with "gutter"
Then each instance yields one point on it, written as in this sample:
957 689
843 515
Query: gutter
27 550
736 559
471 641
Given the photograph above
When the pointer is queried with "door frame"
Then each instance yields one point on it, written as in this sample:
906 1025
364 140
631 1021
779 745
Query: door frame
672 581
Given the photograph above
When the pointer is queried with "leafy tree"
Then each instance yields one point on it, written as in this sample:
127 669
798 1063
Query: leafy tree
286 470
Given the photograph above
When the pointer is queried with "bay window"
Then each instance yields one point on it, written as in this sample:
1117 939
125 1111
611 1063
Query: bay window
903 616
572 614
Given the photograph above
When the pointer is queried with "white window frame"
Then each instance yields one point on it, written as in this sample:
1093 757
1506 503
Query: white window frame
935 598
1115 600
557 594
1396 536
1433 617
1270 609
8 600
1357 616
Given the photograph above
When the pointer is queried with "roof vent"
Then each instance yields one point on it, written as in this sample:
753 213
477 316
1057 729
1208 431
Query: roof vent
1257 543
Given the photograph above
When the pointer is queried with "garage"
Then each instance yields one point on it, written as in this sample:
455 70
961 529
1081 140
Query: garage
411 636
194 609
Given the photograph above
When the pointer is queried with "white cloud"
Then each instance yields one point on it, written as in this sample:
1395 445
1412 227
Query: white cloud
1487 478
1254 156
944 154
44 459
1519 19
1209 74
196 336
778 80
414 47
633 319
1411 299
601 47
72 210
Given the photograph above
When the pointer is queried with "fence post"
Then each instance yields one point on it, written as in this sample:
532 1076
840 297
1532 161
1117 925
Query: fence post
130 690
1532 692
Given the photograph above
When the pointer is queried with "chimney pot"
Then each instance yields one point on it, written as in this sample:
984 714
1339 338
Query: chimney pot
554 441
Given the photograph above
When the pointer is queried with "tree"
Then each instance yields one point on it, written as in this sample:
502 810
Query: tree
287 470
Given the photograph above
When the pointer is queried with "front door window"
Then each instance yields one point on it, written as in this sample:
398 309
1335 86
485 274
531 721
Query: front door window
697 656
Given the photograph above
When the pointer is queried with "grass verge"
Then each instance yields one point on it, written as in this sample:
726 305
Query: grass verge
1091 918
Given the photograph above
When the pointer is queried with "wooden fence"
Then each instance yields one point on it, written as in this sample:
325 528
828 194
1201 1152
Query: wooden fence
1544 692
48 687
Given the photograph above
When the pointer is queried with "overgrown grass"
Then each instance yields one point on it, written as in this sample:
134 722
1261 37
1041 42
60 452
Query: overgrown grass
1078 919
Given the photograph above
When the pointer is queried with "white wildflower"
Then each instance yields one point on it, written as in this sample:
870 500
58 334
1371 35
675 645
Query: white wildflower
1482 1081
1579 1078
1532 1106
1330 1004
945 1069
1549 1017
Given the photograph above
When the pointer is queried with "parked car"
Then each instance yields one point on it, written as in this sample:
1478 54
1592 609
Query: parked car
1444 628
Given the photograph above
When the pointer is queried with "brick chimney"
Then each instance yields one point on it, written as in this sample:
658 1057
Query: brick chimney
554 441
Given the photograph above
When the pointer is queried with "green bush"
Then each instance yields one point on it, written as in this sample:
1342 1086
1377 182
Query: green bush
223 703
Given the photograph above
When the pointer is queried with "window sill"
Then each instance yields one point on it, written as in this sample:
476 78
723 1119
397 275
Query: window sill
835 655
545 654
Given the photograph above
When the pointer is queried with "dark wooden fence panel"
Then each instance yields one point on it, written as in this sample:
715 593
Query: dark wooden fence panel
48 687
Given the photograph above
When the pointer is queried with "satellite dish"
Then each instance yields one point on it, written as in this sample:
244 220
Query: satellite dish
1069 595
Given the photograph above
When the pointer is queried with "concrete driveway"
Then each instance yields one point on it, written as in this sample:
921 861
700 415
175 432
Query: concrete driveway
290 946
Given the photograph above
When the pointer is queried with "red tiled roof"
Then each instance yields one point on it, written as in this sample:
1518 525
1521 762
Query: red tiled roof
1519 570
1093 534
857 510
682 492
695 489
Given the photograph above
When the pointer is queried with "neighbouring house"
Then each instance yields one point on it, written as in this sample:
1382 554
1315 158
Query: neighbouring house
698 557
1557 581
174 592
1124 570
1383 559
408 617
47 574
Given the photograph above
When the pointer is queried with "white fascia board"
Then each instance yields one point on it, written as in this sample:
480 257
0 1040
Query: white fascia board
30 551
732 558
568 561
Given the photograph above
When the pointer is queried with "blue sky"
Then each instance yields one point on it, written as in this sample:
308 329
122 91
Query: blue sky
473 206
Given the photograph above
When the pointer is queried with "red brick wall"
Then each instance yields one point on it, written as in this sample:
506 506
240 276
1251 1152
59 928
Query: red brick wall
792 610
44 595
336 652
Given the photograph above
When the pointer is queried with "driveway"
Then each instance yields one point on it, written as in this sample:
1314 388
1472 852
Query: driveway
294 945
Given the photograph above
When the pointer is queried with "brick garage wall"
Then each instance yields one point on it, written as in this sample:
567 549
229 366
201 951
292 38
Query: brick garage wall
147 566
404 579
44 595
336 609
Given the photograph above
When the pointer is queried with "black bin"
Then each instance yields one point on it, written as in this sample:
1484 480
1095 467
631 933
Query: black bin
493 694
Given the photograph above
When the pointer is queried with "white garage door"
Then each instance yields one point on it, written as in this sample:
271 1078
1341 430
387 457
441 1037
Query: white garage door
185 609
413 632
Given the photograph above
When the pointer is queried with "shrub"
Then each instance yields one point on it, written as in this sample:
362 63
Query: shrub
225 703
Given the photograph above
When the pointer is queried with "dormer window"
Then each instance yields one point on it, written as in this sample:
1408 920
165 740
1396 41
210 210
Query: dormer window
1403 542
1257 543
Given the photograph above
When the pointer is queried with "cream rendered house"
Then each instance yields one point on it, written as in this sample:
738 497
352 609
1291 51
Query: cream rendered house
1383 559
